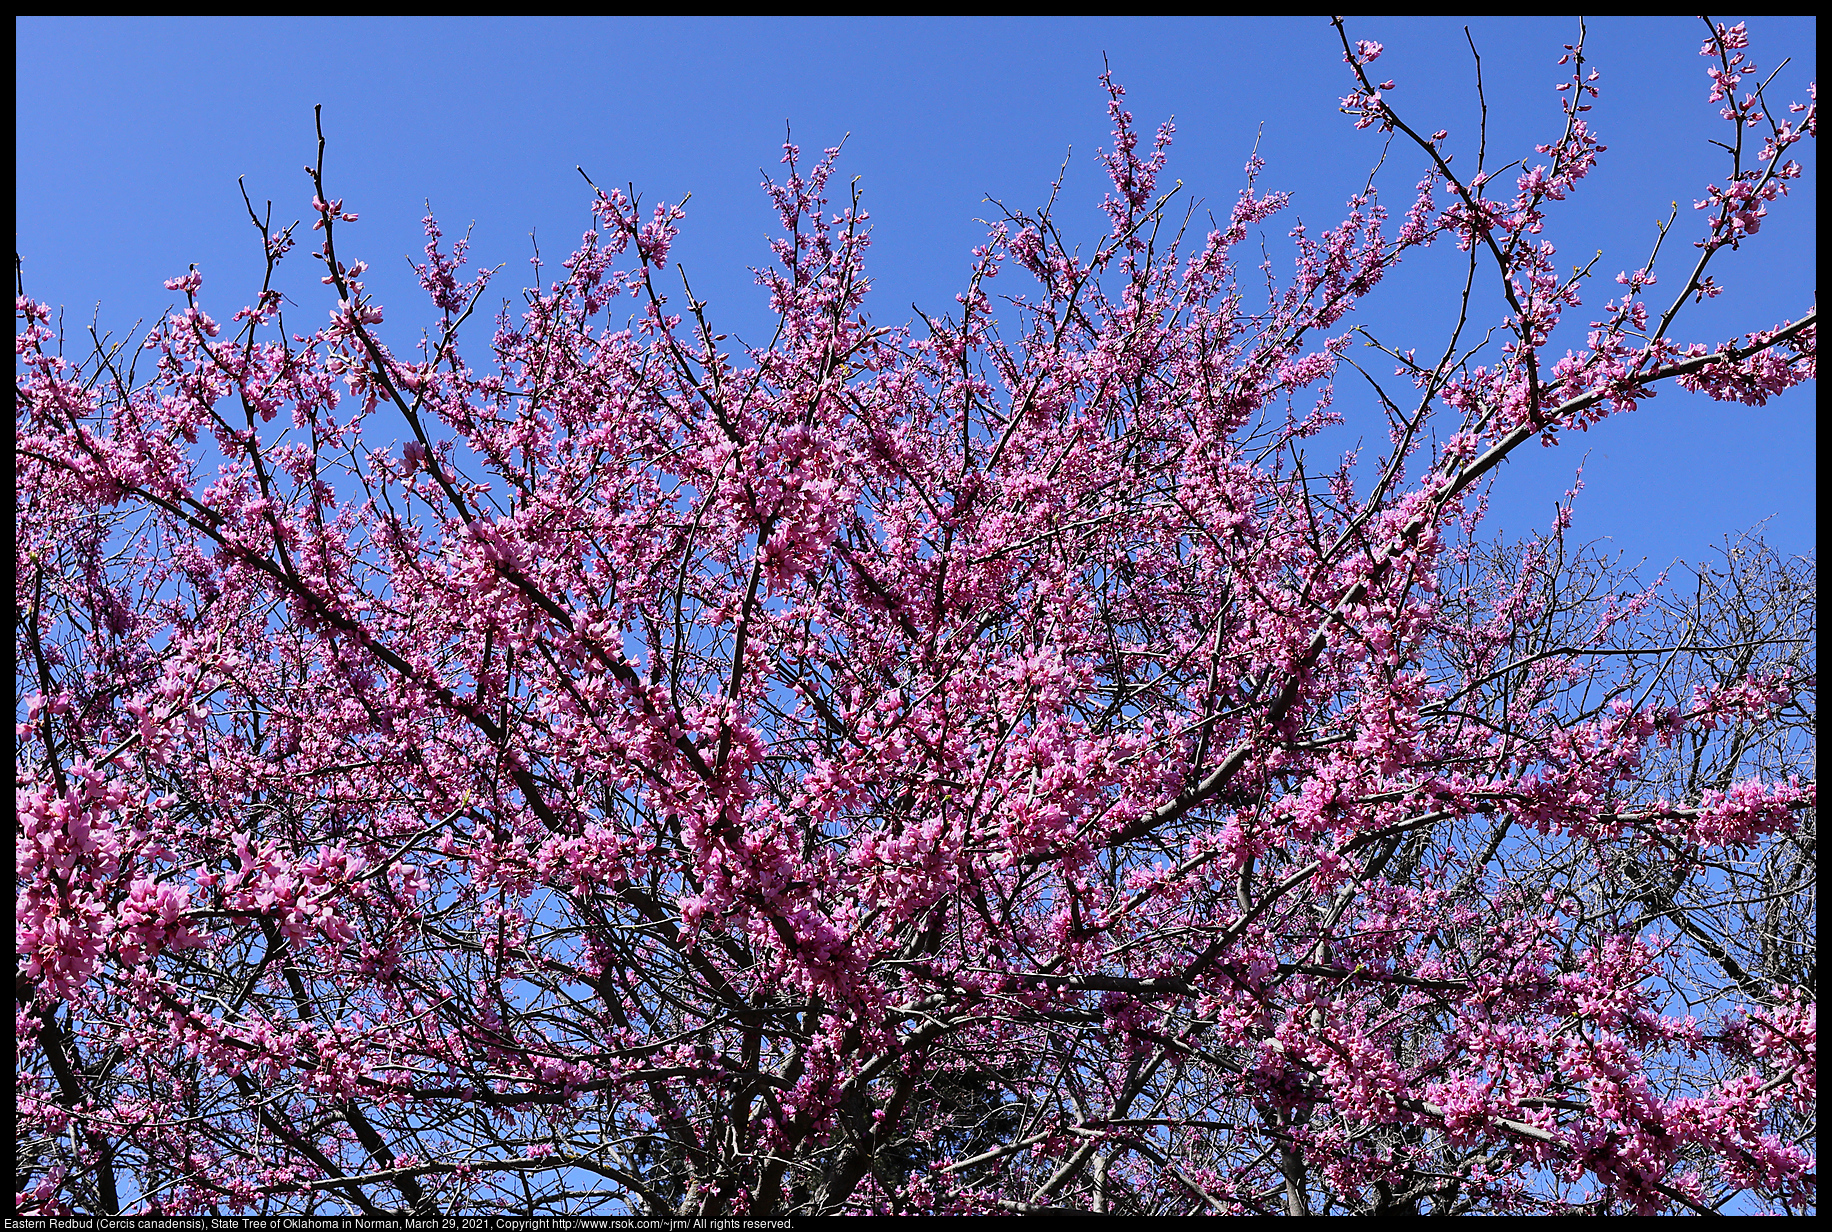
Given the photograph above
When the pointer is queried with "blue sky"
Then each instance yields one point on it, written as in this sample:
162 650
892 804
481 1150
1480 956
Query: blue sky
132 134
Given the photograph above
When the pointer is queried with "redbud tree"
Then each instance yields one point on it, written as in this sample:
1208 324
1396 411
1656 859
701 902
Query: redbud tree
974 766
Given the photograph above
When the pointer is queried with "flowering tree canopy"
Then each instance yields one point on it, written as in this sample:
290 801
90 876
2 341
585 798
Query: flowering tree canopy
975 767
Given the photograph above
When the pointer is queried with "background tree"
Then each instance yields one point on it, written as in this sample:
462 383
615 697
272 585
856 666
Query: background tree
976 768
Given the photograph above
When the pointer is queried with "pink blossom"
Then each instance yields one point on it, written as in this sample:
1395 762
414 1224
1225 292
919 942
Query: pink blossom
985 765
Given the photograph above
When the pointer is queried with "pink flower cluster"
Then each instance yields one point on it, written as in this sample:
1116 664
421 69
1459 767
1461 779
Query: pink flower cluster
983 766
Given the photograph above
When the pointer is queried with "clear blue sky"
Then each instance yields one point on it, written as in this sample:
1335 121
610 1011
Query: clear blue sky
132 134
